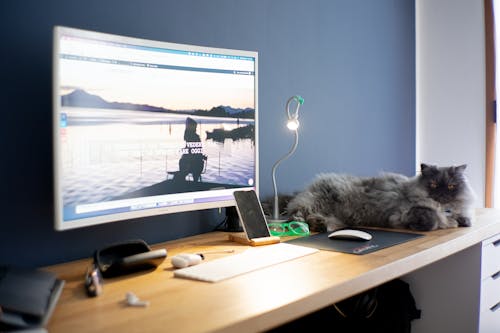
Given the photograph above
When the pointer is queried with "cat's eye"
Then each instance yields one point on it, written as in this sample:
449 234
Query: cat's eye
451 186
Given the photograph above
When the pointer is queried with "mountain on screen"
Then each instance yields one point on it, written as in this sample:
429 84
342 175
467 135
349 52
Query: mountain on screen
226 111
81 98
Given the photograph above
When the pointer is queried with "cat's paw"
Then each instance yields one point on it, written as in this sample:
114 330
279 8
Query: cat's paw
316 224
463 221
422 219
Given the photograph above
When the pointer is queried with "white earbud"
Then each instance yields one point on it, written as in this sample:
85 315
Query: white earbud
133 300
186 259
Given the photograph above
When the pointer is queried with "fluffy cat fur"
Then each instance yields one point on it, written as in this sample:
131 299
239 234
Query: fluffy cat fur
437 198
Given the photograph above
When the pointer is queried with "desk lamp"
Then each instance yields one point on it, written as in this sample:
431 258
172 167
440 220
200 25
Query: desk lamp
293 125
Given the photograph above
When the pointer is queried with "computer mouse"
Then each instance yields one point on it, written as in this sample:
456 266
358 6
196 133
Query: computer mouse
350 234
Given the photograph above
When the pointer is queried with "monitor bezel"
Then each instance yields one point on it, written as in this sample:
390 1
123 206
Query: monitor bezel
59 222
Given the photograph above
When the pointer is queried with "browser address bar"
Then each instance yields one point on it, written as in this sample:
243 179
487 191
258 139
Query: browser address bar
89 48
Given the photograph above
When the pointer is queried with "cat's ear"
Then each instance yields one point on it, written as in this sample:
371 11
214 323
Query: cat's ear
425 168
461 168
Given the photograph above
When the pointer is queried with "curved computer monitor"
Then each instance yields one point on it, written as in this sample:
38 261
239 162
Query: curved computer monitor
145 127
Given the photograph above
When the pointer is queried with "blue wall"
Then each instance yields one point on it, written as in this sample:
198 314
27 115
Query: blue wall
353 61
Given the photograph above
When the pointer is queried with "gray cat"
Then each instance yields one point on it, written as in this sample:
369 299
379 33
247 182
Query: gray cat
437 198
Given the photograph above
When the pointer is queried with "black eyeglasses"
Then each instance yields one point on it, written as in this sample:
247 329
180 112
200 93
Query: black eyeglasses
93 281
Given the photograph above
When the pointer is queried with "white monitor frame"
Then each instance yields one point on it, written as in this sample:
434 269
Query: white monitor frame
217 58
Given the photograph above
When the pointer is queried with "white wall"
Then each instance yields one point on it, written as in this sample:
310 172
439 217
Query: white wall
450 129
450 65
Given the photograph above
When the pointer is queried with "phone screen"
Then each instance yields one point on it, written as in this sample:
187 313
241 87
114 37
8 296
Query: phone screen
251 214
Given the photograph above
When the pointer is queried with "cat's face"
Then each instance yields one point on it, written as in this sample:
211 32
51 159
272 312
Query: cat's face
443 184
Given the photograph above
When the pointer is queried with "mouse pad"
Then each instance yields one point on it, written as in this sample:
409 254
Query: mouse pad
380 240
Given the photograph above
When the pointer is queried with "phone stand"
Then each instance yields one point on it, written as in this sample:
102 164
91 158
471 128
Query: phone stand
242 239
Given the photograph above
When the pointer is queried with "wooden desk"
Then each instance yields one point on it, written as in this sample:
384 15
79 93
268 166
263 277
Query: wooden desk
252 302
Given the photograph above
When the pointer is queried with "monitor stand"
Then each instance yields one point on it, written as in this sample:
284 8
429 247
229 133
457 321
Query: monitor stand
232 221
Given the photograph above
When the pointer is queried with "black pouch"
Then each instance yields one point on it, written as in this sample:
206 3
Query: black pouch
127 257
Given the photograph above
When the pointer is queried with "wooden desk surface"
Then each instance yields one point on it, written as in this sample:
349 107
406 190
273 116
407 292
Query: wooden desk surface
255 301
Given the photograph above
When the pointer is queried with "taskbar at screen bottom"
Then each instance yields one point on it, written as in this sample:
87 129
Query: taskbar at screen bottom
158 204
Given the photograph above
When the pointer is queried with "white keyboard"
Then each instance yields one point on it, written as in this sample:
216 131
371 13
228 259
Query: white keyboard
248 261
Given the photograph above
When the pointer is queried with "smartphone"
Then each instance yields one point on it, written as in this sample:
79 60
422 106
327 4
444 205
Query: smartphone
251 214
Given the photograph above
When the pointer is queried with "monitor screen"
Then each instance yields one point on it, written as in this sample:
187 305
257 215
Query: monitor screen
145 127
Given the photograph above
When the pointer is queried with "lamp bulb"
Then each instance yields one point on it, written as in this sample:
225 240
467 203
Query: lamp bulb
293 124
